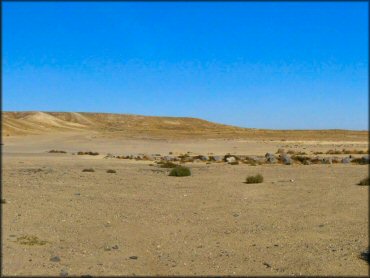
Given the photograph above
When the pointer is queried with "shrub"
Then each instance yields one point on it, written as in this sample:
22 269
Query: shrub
254 179
88 170
364 181
167 164
110 171
56 151
88 153
180 171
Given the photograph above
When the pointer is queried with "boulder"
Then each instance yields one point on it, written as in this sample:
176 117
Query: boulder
270 158
230 159
346 160
217 158
286 159
327 160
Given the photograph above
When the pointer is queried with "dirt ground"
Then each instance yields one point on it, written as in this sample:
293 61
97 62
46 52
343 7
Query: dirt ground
58 220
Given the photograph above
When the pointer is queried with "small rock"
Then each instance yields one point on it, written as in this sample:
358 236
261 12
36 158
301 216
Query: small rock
291 180
231 159
346 160
266 264
133 257
63 273
55 259
115 247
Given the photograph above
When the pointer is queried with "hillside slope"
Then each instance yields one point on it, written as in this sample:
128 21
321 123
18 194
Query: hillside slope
24 123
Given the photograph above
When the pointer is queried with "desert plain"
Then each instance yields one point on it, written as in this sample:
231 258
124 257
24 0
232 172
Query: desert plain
303 219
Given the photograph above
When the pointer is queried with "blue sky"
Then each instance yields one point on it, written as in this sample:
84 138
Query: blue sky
286 65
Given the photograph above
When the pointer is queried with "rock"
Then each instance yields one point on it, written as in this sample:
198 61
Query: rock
169 158
55 259
133 257
270 158
115 247
365 159
63 273
286 159
327 160
217 158
346 160
231 159
204 157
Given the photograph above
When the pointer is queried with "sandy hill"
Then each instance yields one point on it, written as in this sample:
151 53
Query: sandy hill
24 123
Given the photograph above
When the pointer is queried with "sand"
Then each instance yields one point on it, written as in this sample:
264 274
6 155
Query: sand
302 220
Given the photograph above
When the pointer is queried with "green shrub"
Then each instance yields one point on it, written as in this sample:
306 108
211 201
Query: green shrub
254 179
180 171
364 181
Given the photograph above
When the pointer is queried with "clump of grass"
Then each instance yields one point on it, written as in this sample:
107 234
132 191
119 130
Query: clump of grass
234 163
364 181
180 171
111 171
254 179
57 151
333 152
88 170
318 153
296 152
300 158
88 153
30 240
167 164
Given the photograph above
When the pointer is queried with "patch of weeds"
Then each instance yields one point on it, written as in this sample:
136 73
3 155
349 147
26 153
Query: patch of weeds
254 179
167 164
57 151
333 152
364 181
318 153
300 158
88 153
88 170
180 171
111 171
234 163
31 240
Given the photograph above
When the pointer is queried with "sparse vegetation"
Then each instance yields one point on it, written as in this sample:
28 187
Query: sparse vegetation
31 240
88 153
88 170
364 181
301 159
111 171
57 151
167 164
180 171
296 152
234 163
254 179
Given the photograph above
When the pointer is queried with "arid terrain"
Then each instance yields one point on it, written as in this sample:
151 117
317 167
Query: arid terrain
309 216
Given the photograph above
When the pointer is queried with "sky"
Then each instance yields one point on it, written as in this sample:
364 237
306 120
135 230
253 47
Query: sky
284 65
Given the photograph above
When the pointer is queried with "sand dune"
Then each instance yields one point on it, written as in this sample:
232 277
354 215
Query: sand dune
136 126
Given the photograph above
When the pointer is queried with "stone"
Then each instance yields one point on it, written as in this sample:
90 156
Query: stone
55 259
133 257
346 160
286 159
217 158
327 160
270 158
231 159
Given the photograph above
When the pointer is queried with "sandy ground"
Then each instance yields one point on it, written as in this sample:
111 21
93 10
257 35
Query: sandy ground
207 224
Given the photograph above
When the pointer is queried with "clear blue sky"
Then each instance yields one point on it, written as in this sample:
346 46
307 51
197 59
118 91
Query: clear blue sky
295 65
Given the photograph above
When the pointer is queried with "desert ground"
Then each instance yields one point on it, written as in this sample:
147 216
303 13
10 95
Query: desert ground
58 220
